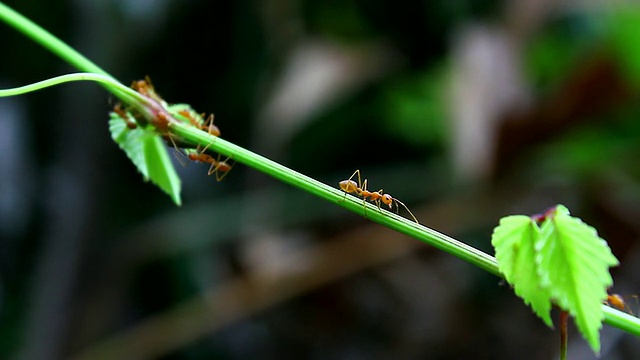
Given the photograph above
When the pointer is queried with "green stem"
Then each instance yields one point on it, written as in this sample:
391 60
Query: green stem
621 320
389 219
337 196
127 95
47 40
56 46
564 334
103 79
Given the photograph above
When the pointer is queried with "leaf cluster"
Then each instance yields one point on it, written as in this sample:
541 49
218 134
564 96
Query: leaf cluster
556 259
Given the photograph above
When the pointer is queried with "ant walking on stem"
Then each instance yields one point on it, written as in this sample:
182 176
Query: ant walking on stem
377 197
199 122
219 167
128 120
162 113
616 301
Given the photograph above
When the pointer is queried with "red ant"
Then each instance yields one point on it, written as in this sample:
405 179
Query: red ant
145 88
128 119
360 189
211 128
158 115
217 166
616 301
161 120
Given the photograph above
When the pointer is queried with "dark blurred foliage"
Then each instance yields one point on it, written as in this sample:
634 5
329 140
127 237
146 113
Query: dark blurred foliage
465 110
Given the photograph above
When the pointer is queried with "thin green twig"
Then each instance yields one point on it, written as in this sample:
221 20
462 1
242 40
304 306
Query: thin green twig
47 40
389 219
103 79
336 196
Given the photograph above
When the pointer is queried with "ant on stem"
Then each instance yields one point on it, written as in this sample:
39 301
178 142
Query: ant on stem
145 87
616 301
155 111
162 114
131 123
219 167
377 197
199 122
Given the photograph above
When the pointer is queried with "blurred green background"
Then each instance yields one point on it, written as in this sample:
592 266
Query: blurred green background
465 110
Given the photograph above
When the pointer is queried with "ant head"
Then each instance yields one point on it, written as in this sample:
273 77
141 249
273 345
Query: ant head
387 199
141 86
348 186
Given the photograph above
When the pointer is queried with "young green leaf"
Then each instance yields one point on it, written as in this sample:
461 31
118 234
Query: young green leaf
148 153
161 170
130 142
573 263
514 241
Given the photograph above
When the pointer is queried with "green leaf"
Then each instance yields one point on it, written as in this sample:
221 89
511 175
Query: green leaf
147 151
161 170
514 241
130 141
573 263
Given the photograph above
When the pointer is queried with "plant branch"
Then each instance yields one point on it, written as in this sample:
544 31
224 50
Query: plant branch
103 79
47 40
389 219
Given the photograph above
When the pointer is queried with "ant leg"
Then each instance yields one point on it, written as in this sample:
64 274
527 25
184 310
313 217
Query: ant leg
362 193
224 173
217 166
406 208
213 169
361 184
354 174
175 154
378 200
220 166
344 197
205 148
211 143
212 129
